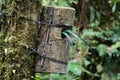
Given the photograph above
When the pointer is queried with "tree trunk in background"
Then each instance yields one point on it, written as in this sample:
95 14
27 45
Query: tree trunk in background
82 14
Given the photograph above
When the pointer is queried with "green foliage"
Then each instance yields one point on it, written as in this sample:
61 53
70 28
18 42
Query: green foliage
59 77
75 68
63 3
113 4
102 49
55 3
54 76
118 76
116 45
92 14
39 76
72 2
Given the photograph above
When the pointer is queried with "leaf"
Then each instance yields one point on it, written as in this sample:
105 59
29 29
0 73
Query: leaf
98 15
54 76
63 3
114 8
1 34
73 1
118 76
92 15
37 76
86 62
45 2
94 24
68 77
56 3
102 49
77 37
1 2
105 76
99 68
77 69
6 50
62 77
115 45
67 35
74 68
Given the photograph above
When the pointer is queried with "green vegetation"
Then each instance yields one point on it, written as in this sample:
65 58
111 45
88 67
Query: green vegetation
97 23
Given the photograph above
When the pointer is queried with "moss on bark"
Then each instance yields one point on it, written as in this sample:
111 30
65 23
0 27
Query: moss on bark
15 33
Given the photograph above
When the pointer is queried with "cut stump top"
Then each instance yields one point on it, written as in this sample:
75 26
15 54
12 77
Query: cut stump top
62 15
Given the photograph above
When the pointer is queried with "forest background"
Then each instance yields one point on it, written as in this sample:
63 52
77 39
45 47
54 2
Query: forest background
97 22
